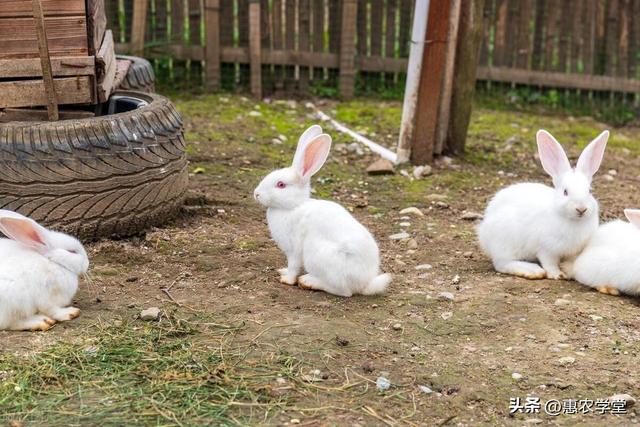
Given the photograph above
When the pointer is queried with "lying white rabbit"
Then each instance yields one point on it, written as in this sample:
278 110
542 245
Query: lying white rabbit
39 272
338 253
609 263
525 223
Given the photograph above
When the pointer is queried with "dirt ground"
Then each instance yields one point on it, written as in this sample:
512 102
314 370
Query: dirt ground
235 347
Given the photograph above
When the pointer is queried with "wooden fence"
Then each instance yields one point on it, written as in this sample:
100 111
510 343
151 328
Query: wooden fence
271 45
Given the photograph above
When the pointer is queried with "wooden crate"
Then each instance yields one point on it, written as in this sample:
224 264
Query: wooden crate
81 51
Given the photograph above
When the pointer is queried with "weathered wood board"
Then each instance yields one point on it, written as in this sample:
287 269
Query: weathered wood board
28 93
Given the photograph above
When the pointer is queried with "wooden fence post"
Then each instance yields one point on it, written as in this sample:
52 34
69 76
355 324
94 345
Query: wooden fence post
431 80
255 48
212 43
464 79
348 49
138 26
45 61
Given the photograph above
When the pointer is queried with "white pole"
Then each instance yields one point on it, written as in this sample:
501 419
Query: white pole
418 36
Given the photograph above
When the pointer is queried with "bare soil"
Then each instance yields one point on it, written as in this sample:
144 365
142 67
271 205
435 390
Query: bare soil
216 264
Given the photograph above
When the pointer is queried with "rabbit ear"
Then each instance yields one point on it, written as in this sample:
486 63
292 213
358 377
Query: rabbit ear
23 230
633 215
591 156
306 137
552 155
314 156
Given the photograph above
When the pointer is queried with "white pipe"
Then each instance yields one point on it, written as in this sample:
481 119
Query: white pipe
383 152
418 36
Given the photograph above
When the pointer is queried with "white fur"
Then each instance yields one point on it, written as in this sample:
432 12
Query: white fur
38 278
611 258
321 237
528 223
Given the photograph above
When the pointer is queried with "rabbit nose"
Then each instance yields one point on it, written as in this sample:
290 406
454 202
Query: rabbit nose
581 211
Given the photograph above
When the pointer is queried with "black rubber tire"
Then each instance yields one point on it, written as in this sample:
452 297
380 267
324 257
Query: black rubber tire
140 76
112 175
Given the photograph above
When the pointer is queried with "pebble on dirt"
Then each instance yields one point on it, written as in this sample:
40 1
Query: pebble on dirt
400 236
425 389
422 171
151 313
383 384
411 210
567 360
423 267
397 326
447 296
471 216
380 167
630 400
517 376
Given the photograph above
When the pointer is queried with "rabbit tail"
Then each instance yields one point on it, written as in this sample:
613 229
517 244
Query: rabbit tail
378 285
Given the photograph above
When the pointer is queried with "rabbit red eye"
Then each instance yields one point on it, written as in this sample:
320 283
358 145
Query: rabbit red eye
281 184
566 193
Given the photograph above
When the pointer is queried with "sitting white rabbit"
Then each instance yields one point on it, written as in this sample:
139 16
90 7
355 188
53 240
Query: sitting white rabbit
528 222
609 263
338 253
39 272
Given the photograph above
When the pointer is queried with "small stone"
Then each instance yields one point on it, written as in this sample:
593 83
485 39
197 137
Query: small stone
380 167
151 313
412 244
627 398
294 421
397 326
342 342
533 421
404 224
595 317
455 280
355 148
517 376
446 315
255 113
435 197
609 178
468 254
422 171
612 172
423 267
471 216
383 384
282 138
447 296
411 210
132 279
425 389
399 236
562 301
442 205
567 360
276 141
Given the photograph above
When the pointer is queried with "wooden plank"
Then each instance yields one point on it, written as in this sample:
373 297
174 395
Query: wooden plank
469 38
565 35
576 36
362 28
195 14
177 21
600 44
623 36
444 110
347 49
106 68
243 22
335 24
634 37
212 43
290 39
96 24
488 16
138 26
318 11
390 29
611 38
430 86
560 80
22 8
303 41
375 29
500 34
30 93
552 32
540 20
523 42
60 66
513 30
589 36
406 7
276 19
67 36
255 48
45 61
32 115
122 67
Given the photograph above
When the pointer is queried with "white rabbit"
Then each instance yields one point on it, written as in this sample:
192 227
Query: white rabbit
338 253
609 263
528 222
39 272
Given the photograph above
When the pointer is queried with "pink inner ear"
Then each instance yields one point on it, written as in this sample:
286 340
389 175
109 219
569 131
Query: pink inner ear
311 156
22 231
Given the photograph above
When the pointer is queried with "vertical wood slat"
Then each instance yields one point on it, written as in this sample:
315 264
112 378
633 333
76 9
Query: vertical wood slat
290 39
362 28
347 49
255 48
406 7
623 37
589 36
500 34
375 29
634 38
431 74
45 61
576 35
177 20
318 31
390 29
487 14
195 14
303 40
551 34
523 44
138 26
513 31
226 23
540 20
212 43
